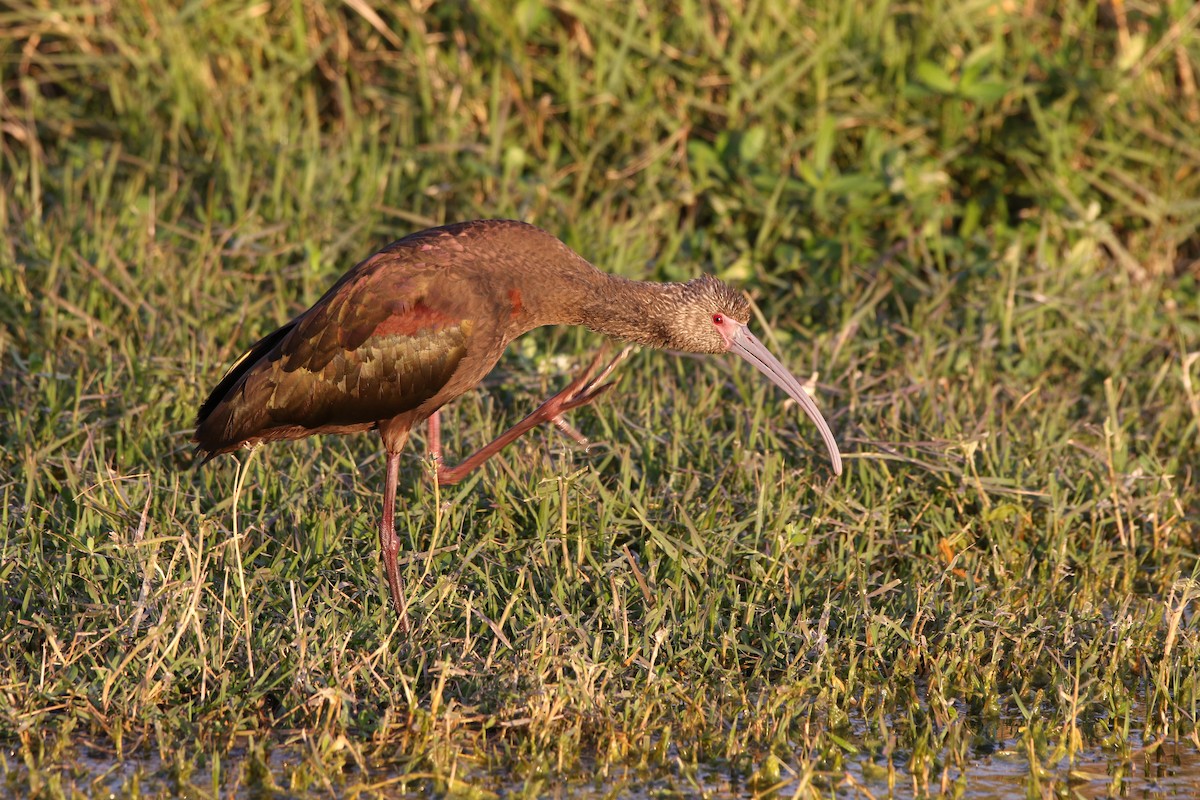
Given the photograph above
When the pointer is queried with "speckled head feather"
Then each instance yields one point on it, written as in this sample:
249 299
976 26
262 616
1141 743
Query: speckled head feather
700 299
721 296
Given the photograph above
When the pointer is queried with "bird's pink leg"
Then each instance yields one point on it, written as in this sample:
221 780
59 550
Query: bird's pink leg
579 392
435 438
389 542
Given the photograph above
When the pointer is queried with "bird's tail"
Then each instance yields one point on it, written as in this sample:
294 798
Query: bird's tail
221 425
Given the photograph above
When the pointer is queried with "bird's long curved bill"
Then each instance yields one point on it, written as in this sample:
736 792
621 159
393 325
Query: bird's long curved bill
746 345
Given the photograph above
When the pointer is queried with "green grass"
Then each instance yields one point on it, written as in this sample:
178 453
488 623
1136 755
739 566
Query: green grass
978 222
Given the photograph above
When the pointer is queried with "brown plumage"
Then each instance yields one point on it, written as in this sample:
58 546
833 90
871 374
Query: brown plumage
425 319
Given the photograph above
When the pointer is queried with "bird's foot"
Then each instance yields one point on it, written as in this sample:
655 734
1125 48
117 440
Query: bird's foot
586 387
569 430
590 384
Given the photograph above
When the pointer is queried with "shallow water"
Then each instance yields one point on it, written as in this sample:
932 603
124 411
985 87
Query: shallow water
1170 770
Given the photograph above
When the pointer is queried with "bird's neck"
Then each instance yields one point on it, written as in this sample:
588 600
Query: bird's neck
636 311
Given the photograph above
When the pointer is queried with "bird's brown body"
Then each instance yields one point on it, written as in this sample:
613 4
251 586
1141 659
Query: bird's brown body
426 319
418 324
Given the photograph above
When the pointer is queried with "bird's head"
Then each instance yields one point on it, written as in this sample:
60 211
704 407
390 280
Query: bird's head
712 318
701 320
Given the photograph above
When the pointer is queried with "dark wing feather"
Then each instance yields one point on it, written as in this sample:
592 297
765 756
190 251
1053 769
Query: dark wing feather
375 346
240 368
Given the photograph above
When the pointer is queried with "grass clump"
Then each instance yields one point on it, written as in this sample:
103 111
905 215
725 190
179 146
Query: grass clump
977 222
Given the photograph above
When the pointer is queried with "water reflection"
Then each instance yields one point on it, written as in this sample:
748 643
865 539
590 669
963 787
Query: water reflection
1168 770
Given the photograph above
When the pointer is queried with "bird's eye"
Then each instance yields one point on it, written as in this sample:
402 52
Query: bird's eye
718 319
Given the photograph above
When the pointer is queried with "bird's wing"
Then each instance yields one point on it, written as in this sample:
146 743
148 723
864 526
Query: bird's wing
378 347
381 342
